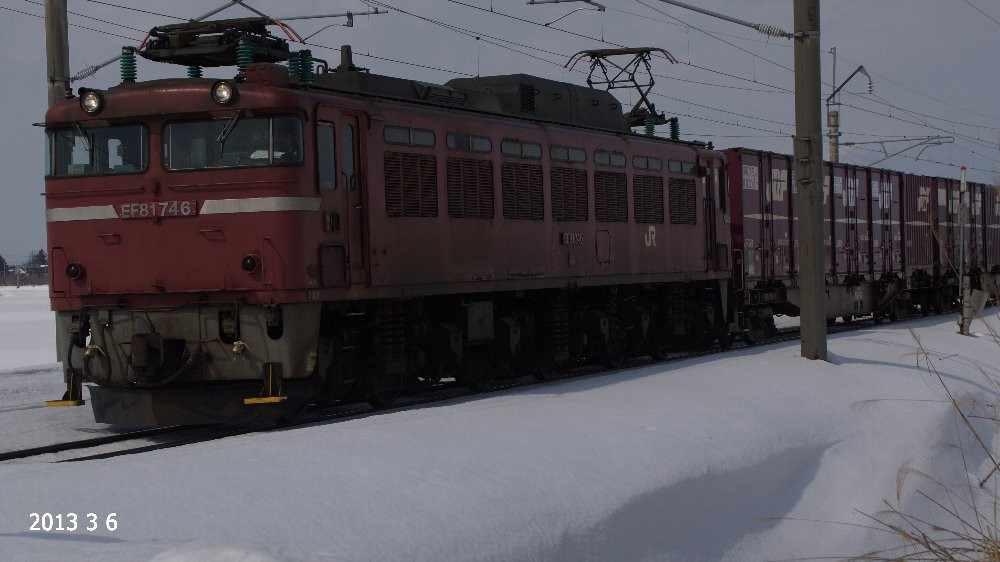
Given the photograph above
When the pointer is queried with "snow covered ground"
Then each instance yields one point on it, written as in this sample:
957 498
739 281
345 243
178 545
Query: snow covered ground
739 457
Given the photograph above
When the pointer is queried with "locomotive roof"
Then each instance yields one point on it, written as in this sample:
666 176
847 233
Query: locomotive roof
517 95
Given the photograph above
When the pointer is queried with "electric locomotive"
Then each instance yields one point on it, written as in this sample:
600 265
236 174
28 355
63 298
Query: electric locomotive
232 250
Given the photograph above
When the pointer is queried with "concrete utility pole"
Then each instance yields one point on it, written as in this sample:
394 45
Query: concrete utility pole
833 116
965 317
809 175
56 49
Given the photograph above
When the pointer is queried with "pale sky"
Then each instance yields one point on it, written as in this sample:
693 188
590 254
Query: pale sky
933 64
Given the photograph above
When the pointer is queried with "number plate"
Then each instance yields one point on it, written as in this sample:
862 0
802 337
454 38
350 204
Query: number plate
156 209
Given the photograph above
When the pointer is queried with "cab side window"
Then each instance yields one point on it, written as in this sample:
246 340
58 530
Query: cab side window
326 157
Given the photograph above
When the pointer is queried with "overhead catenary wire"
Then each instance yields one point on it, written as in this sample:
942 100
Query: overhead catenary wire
766 29
41 17
681 23
970 139
141 11
920 159
451 71
991 18
466 32
607 42
78 14
919 93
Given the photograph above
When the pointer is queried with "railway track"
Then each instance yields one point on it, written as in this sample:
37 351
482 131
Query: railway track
187 435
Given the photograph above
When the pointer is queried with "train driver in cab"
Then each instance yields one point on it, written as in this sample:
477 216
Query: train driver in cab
286 146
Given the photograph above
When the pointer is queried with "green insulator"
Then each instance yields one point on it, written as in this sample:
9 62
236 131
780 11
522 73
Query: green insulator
675 128
194 71
294 66
650 125
128 65
306 66
244 55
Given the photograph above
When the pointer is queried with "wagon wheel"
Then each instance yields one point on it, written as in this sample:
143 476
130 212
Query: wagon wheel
939 302
755 333
382 390
478 370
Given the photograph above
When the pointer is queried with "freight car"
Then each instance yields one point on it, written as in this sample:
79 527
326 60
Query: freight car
892 241
236 249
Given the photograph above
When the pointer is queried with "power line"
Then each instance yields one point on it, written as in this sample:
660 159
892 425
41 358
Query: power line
136 10
723 110
396 61
882 101
982 12
787 68
101 31
918 159
472 34
921 124
715 135
607 42
919 93
92 18
751 53
668 22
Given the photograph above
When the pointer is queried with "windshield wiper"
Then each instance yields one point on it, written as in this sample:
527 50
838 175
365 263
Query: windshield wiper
230 125
79 132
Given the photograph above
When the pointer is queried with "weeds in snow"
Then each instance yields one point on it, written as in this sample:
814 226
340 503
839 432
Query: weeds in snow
968 527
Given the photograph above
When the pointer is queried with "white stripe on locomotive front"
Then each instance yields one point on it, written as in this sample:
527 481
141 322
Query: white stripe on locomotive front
98 212
209 207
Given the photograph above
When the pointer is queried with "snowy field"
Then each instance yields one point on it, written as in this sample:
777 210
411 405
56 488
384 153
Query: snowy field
753 455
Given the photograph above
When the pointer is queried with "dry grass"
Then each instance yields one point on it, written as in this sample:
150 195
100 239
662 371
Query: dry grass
966 528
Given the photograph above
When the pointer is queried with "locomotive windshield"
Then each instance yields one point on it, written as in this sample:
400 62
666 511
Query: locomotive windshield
93 151
235 142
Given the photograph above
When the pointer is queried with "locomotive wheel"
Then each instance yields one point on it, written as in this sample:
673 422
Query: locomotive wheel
614 354
725 338
543 368
659 345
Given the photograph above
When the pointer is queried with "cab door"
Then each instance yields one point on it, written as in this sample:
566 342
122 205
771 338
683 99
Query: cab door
342 191
711 236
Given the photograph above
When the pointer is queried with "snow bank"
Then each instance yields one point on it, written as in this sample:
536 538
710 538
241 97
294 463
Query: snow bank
27 327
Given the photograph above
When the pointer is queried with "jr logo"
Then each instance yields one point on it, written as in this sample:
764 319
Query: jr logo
650 236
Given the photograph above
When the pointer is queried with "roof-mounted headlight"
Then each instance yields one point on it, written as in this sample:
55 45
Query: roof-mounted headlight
223 92
91 101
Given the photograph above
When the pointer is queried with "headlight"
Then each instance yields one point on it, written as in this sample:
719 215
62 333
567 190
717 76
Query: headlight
250 263
74 270
223 92
91 101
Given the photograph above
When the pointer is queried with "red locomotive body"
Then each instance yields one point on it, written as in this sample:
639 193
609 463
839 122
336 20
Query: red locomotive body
235 249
